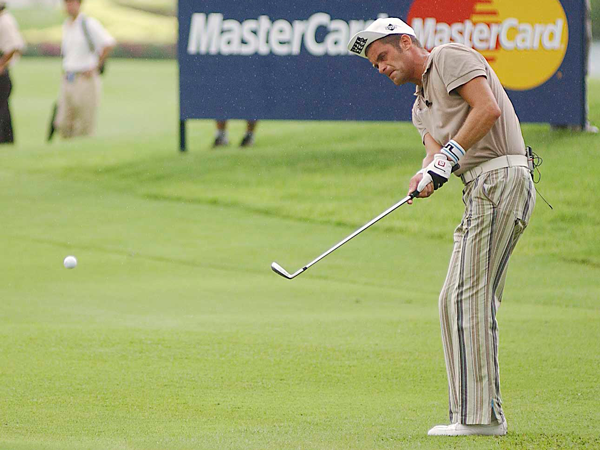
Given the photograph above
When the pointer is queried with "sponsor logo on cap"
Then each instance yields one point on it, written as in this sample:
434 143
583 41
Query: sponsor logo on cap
358 45
524 46
391 27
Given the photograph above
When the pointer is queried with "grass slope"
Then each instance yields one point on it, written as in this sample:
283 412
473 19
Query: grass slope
173 333
141 21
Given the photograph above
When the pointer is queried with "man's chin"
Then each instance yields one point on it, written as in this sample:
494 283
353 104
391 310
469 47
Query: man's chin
396 80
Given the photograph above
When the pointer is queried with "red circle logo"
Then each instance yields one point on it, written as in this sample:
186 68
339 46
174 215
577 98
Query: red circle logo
524 42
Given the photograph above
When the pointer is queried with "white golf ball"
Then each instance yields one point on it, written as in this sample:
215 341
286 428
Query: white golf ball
70 262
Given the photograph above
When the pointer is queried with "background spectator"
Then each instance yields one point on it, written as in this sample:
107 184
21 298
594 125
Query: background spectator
221 138
11 45
85 47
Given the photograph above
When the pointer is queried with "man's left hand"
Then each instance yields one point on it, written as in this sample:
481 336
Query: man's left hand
437 172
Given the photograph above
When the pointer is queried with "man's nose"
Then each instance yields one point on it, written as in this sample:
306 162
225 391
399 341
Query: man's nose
382 68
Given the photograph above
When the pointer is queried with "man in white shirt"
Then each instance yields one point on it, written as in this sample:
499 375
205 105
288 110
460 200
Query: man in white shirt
85 47
11 45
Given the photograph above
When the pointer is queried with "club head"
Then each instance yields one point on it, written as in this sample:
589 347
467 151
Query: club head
280 271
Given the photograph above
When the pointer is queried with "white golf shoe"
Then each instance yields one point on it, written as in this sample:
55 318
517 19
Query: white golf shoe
458 429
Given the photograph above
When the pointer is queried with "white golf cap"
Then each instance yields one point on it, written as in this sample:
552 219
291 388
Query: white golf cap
377 30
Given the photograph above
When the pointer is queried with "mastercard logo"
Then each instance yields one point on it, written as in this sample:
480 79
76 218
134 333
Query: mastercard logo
524 42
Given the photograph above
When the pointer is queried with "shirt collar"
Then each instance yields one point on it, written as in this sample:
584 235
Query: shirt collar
425 77
77 19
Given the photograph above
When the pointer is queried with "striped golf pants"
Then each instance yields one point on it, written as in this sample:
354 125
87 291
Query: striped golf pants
498 205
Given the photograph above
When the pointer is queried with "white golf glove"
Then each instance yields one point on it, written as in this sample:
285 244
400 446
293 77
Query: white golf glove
437 172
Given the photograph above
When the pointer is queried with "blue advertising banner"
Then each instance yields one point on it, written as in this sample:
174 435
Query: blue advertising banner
266 59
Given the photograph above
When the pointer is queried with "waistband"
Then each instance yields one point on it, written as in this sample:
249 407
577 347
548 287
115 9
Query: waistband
494 164
73 74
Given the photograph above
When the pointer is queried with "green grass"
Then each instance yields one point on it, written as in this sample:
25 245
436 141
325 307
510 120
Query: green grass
37 18
595 14
174 333
163 7
139 21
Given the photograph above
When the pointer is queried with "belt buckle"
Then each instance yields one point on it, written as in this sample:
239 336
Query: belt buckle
70 77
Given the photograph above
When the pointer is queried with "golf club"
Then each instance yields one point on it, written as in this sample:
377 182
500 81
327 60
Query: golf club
424 182
284 273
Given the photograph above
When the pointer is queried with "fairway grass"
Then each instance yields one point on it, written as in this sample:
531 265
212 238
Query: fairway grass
173 333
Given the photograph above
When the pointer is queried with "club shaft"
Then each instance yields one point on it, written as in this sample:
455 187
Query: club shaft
360 230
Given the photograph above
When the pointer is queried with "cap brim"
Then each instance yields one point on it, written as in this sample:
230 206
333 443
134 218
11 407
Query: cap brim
359 47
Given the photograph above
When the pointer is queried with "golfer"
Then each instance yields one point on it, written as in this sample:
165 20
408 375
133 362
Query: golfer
467 123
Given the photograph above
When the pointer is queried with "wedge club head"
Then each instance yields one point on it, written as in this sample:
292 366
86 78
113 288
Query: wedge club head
284 273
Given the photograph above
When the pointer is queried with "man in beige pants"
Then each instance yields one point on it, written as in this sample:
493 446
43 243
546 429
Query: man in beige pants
467 123
85 47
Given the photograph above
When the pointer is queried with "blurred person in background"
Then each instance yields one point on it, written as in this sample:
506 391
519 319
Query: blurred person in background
11 46
221 138
85 48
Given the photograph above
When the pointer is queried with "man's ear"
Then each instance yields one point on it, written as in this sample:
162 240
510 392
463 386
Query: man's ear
405 42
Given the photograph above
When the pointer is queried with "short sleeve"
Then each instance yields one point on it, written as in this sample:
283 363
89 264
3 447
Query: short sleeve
457 65
100 36
12 39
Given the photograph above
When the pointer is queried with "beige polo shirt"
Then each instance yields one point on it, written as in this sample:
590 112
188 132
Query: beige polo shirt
440 111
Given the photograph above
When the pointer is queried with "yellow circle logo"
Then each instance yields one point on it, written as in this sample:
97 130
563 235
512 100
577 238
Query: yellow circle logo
524 42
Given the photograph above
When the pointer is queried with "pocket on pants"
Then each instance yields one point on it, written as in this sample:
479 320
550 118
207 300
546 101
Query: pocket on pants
493 185
524 208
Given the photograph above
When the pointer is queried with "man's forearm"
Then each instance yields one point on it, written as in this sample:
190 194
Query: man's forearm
483 115
479 122
104 55
6 58
431 147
